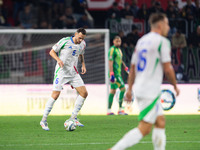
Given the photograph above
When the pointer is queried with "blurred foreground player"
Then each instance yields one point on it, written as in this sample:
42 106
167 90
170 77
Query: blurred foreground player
116 81
69 49
150 59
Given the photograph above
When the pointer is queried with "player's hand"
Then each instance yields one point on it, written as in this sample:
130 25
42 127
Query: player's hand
83 69
112 77
128 96
177 90
60 63
126 69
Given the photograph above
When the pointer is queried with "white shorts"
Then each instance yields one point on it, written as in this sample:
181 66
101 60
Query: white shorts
59 81
149 109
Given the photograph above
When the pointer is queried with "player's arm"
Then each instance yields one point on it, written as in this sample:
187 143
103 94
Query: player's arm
125 67
53 54
112 76
111 65
170 74
83 68
131 79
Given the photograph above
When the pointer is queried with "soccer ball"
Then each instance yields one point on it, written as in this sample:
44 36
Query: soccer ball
69 125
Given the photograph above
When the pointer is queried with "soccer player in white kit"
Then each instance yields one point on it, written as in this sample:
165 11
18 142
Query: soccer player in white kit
69 50
150 60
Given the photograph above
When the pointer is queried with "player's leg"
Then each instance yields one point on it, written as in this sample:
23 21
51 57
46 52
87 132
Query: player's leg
158 133
79 101
48 108
147 117
121 85
113 88
133 136
78 84
57 87
49 104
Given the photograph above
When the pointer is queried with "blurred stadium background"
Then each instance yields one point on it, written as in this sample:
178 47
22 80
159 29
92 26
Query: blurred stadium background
29 29
128 18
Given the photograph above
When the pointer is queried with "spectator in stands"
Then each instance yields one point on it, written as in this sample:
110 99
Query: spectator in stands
18 6
66 20
133 37
189 11
194 38
126 12
134 8
44 15
172 15
55 15
27 18
156 8
69 19
114 12
79 6
178 40
80 9
124 39
3 19
171 12
197 8
44 24
143 12
83 22
176 8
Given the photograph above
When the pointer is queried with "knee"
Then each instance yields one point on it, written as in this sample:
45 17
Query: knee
145 128
160 122
144 131
148 130
84 94
123 89
112 91
55 95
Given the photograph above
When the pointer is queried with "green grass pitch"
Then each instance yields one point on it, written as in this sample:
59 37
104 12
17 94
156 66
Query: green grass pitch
99 133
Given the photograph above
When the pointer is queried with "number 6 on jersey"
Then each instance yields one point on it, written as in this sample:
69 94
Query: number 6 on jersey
141 64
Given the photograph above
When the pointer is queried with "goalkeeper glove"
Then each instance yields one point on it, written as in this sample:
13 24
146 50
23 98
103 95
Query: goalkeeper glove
126 69
112 77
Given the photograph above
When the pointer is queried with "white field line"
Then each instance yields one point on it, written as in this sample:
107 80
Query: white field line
77 144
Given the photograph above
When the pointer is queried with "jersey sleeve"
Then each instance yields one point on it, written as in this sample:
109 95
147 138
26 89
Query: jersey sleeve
83 46
59 45
111 54
165 50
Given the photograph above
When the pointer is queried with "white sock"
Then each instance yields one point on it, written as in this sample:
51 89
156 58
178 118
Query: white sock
109 110
159 138
131 138
78 105
48 107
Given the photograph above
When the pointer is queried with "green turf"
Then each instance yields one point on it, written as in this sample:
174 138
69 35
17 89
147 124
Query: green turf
99 133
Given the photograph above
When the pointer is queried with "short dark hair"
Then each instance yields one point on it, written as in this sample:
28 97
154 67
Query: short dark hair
156 17
82 30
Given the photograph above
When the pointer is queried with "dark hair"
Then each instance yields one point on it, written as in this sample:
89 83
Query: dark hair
156 17
82 30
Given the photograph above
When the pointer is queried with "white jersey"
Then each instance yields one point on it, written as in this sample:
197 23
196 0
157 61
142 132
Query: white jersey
152 50
68 52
